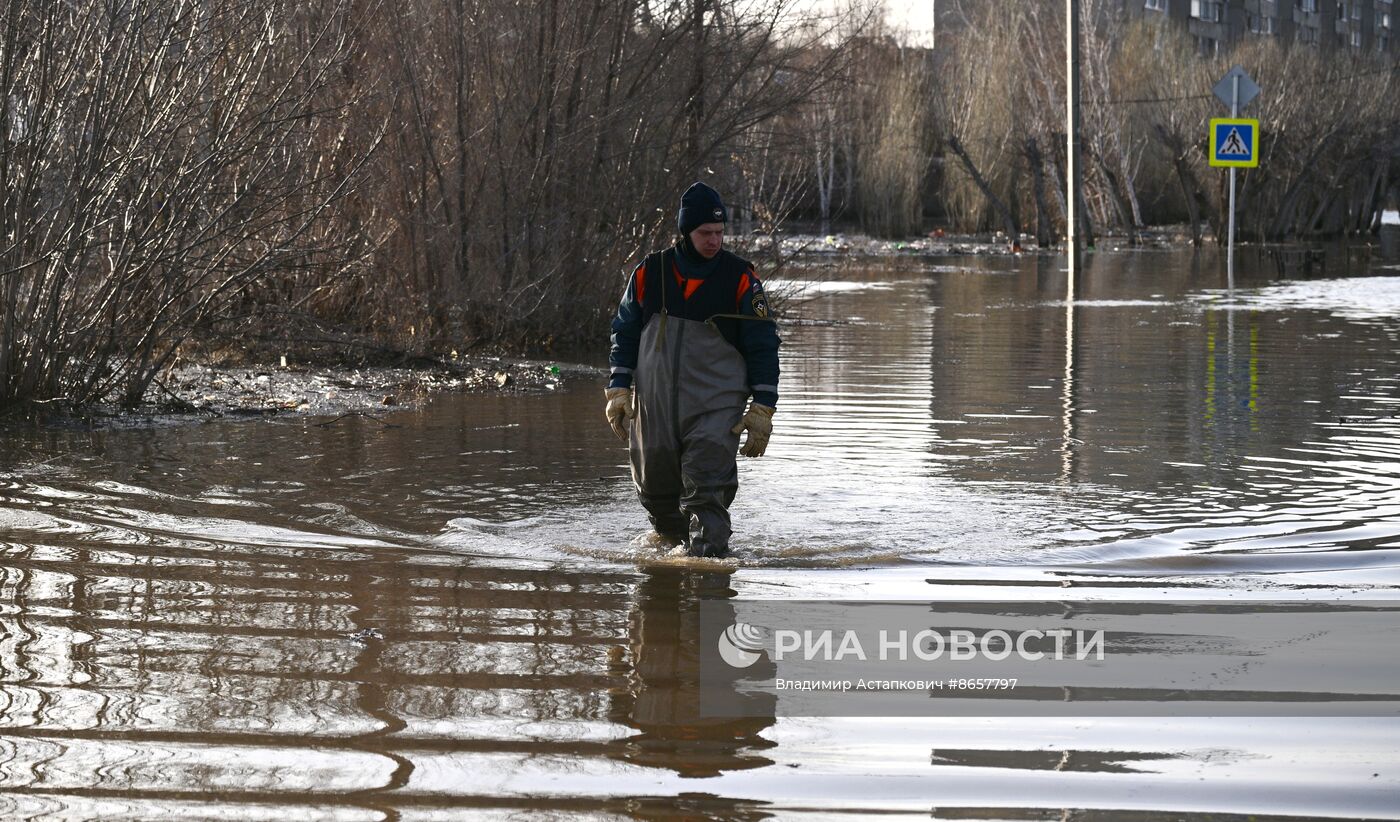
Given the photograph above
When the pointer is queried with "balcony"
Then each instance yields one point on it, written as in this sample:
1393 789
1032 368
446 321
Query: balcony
1206 10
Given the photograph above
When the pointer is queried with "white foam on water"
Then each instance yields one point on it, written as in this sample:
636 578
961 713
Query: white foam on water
1353 298
807 288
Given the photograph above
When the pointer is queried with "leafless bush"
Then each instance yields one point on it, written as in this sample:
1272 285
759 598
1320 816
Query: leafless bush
899 152
1329 122
981 121
155 165
1330 128
433 172
439 173
541 146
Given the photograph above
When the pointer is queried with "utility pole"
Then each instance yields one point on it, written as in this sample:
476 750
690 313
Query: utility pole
1073 172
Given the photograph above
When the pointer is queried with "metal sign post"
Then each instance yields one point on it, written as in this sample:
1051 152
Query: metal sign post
1236 89
1230 247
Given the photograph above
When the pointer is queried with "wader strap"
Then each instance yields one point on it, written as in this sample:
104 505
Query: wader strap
665 272
748 317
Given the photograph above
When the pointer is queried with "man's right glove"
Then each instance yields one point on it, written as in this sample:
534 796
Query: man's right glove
759 422
619 410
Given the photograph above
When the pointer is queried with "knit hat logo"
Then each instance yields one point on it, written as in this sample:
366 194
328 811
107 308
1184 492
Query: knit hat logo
700 204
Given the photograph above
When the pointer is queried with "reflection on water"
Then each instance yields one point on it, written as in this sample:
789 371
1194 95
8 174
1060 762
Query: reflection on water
255 620
331 684
662 696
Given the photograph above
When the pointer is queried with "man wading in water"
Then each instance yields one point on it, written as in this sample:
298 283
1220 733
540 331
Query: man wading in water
691 342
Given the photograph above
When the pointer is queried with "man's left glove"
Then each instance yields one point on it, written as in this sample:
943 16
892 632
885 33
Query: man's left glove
619 410
759 423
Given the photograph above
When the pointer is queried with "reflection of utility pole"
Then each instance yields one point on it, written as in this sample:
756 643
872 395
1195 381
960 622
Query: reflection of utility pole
1068 440
1074 181
1073 173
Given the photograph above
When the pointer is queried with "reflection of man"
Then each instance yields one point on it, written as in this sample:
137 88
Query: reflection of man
661 698
692 338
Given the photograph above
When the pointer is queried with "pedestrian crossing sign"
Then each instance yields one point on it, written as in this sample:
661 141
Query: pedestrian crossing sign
1234 142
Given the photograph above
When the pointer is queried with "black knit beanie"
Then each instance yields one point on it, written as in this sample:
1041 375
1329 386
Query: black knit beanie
700 204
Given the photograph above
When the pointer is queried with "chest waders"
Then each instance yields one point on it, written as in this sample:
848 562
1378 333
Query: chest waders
691 387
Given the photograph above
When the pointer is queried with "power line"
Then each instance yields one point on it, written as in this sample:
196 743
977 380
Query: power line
1318 81
1149 100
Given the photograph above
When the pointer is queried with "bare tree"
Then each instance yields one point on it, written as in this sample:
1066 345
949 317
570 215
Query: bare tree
978 125
897 160
155 166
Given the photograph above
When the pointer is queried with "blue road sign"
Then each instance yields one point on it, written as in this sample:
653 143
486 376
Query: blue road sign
1234 142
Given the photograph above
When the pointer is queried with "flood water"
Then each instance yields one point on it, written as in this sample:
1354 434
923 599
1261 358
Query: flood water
454 615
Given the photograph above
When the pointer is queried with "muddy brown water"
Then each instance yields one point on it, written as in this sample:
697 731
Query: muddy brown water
453 616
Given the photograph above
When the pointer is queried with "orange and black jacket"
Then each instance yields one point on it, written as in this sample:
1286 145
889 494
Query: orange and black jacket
724 286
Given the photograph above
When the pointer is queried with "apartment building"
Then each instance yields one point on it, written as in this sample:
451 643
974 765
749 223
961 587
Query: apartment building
1362 26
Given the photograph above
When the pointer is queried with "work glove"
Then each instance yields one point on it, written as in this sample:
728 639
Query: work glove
759 423
619 410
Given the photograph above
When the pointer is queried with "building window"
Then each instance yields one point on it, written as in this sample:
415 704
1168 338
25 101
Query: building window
1309 6
1207 46
1155 5
1356 39
1207 10
1263 24
1356 9
1385 20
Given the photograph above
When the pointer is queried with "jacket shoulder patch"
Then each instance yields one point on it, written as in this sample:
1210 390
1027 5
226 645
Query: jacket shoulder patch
758 300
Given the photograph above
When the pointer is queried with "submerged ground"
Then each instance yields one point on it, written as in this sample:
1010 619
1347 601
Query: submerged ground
450 608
